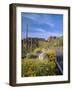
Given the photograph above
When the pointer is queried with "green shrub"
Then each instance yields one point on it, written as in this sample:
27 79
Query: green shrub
38 50
31 56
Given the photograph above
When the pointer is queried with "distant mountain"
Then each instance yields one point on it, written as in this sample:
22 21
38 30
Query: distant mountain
34 39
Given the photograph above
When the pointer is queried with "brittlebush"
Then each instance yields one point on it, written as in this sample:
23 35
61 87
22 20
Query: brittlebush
37 68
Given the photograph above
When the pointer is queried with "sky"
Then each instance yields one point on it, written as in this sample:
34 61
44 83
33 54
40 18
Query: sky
41 25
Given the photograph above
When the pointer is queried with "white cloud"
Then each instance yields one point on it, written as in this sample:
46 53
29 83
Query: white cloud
41 33
44 19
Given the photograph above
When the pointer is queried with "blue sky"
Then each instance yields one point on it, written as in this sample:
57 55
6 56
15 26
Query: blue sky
41 25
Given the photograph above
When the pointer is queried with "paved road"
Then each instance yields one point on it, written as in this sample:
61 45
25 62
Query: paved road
59 61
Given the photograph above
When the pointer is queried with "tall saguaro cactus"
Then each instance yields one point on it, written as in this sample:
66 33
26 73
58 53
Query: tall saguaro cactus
28 42
27 38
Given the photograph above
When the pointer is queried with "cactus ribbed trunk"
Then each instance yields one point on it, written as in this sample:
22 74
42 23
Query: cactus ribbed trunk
27 38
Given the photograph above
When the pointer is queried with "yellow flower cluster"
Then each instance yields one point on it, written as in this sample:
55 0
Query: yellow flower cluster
51 55
32 68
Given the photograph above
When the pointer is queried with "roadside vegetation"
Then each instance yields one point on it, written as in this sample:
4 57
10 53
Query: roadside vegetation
40 57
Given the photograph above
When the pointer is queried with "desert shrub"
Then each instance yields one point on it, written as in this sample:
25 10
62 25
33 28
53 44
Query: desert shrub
32 67
37 50
43 44
51 55
31 56
24 52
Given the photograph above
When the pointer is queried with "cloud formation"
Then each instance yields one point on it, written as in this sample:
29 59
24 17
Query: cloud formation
42 25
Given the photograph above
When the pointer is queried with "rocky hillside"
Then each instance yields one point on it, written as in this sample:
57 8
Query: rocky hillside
55 41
